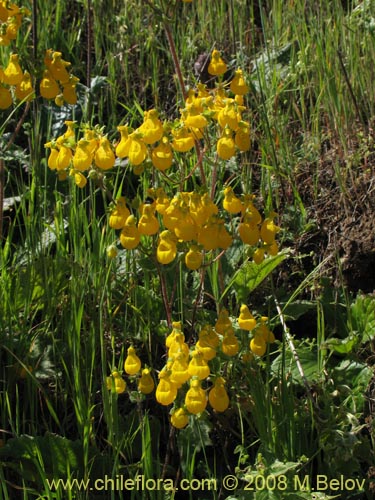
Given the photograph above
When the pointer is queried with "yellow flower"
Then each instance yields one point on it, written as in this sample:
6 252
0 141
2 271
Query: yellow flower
179 418
217 66
183 140
198 366
186 230
223 323
238 85
132 363
13 73
225 146
137 150
130 236
57 66
206 347
224 238
148 224
258 255
218 396
228 116
193 258
178 346
5 98
166 251
146 383
230 345
69 91
162 155
166 391
79 178
242 136
52 159
48 86
231 203
176 329
83 157
63 158
264 331
104 156
25 90
119 215
246 320
249 232
195 399
179 370
258 345
116 382
122 148
112 251
192 117
151 128
269 229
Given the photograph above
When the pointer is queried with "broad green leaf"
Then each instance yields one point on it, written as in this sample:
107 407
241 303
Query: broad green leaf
362 314
308 358
251 275
342 346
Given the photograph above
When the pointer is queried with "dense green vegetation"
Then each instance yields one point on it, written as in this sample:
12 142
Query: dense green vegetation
300 422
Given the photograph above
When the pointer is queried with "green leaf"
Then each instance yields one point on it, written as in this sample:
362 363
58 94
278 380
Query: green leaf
251 275
296 309
308 358
341 346
362 314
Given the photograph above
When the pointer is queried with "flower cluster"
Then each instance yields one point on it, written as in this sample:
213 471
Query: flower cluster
10 20
57 83
193 223
14 80
92 152
188 369
132 367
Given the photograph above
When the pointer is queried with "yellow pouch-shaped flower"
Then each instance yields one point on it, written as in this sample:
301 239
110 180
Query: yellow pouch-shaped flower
166 391
104 156
193 258
231 203
218 396
5 98
48 87
238 85
162 155
249 233
226 147
148 224
230 345
198 366
217 66
13 73
183 140
196 399
258 345
130 236
119 215
146 383
132 363
122 148
246 320
151 128
83 157
25 90
179 418
137 151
